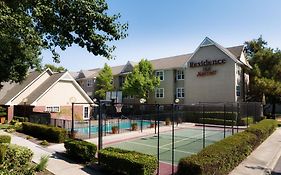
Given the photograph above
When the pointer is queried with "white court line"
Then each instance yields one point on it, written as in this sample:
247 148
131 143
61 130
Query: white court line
160 147
187 139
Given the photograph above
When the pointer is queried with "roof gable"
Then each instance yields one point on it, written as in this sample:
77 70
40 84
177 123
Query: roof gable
208 42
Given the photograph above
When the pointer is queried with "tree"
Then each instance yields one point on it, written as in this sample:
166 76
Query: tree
141 81
104 82
27 27
55 68
266 73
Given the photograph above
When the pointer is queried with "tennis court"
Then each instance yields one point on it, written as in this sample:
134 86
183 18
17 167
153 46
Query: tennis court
188 141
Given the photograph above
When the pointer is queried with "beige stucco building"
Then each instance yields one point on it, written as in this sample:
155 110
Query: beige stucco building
46 92
212 73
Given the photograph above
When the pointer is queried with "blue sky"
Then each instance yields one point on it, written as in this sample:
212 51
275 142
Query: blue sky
162 28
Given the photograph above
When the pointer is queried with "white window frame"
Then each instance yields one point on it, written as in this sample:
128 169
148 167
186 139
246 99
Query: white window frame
180 73
157 73
87 117
180 90
158 92
52 109
89 83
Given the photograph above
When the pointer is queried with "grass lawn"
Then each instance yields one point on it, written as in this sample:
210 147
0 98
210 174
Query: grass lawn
4 126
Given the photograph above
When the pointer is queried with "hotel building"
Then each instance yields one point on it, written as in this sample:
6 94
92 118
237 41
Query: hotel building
212 73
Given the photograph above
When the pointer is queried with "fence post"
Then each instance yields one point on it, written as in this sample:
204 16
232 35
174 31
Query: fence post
173 138
238 116
204 136
232 129
158 139
89 127
224 120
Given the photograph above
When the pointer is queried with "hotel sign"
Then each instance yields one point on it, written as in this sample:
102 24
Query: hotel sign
207 63
207 66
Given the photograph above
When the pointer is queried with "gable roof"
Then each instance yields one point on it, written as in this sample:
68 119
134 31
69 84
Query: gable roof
170 62
18 87
43 87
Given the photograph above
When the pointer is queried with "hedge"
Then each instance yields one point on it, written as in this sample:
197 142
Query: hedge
195 116
5 139
127 162
17 161
82 150
3 150
44 132
223 156
20 119
215 121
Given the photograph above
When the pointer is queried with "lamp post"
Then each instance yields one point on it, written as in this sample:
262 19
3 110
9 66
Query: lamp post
142 101
173 133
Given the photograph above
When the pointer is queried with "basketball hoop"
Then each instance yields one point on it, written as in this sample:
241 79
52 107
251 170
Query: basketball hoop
118 107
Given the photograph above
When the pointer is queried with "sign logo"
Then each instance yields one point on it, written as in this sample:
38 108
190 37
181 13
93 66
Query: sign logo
207 63
207 66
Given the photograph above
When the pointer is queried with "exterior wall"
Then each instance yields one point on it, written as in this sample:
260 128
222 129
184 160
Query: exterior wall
88 89
60 95
169 89
30 89
65 112
219 87
10 113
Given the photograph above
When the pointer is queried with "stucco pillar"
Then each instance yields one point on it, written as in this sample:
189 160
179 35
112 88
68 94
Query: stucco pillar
10 113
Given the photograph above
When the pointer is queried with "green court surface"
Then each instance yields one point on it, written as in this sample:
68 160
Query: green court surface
187 142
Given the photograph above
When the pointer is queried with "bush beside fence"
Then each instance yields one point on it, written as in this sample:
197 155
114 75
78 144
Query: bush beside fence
223 156
44 132
127 162
82 150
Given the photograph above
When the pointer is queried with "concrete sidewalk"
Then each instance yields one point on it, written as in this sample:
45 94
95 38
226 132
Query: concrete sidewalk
57 164
262 160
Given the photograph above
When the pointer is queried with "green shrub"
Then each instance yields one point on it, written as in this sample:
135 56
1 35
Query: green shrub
3 150
20 119
192 116
263 129
217 121
223 156
42 164
44 143
5 139
127 162
44 132
244 121
81 150
17 161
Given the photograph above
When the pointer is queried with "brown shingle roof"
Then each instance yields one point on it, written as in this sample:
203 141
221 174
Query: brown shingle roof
43 87
236 50
18 87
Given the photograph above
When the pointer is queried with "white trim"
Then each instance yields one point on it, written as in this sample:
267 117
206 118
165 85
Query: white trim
27 86
89 82
159 76
52 106
84 112
79 88
182 75
182 92
159 92
224 50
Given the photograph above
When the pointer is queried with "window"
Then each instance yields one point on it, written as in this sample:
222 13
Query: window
89 83
180 75
159 93
86 112
160 74
52 109
238 91
180 92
